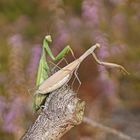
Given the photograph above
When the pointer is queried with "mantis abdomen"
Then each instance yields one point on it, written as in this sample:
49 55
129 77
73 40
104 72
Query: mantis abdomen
47 87
58 79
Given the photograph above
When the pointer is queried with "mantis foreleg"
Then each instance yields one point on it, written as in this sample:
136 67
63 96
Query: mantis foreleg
112 65
60 55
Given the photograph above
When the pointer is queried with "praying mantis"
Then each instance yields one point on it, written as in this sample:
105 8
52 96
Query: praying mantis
63 75
43 68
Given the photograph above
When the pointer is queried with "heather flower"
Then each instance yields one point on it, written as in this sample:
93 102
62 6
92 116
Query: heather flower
33 63
90 12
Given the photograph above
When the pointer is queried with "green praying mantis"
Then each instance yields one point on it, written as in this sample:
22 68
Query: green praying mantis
63 75
43 68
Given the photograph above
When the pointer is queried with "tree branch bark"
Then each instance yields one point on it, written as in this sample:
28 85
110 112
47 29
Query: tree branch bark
62 111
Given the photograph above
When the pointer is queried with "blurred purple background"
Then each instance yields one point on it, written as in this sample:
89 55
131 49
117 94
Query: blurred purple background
111 97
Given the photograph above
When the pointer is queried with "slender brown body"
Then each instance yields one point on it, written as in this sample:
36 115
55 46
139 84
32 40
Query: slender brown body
62 76
58 79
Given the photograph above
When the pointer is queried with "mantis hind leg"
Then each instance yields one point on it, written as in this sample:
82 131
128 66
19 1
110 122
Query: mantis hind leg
73 82
76 77
57 65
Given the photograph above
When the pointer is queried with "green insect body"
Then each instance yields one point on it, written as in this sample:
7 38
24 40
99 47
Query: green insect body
43 68
38 101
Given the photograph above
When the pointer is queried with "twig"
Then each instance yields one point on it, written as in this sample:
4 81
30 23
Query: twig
107 129
62 111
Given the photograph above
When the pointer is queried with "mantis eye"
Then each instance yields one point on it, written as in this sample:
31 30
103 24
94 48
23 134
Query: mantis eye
48 38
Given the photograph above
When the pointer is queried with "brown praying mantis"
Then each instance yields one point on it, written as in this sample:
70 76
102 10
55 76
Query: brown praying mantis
63 76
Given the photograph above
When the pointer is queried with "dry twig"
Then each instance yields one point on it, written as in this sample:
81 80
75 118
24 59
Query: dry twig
62 111
107 129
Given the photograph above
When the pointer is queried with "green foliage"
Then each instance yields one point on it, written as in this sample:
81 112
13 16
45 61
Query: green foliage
12 9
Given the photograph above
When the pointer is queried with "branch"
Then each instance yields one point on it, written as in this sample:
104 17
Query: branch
62 111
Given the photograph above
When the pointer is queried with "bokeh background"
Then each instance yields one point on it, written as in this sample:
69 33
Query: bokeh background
112 98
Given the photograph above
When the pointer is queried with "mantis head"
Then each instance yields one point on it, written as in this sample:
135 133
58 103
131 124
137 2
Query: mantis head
48 38
98 45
